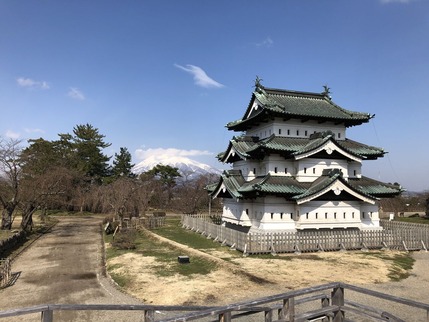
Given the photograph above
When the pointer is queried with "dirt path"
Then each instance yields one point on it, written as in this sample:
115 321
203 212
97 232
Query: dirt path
64 267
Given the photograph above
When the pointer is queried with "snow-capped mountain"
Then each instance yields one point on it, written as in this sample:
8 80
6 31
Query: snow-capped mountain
189 169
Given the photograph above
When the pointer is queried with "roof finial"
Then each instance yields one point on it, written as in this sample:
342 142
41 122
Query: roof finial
258 82
326 91
258 86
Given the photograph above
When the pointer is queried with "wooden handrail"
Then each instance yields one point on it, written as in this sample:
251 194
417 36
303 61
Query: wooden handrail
333 305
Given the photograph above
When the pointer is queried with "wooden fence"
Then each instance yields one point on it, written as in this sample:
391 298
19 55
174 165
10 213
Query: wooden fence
394 235
327 302
149 222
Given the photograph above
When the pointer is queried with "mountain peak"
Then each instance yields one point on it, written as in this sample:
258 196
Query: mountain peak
188 168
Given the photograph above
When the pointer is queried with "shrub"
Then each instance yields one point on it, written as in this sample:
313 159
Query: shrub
125 239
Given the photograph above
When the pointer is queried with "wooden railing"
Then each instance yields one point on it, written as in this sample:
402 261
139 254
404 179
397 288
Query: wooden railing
395 235
328 302
5 272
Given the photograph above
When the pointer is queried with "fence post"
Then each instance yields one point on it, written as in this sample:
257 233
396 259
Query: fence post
47 315
325 303
225 317
337 297
269 316
149 315
288 310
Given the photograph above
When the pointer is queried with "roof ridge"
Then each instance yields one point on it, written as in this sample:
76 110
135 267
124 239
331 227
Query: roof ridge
294 92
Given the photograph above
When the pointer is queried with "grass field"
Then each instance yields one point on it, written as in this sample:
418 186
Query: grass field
167 254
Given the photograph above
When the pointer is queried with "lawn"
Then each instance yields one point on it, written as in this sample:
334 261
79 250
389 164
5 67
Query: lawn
164 253
416 220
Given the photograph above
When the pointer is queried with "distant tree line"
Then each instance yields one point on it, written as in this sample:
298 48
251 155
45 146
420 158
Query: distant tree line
73 173
407 203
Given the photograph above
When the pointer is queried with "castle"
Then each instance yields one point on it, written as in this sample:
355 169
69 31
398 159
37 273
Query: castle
294 168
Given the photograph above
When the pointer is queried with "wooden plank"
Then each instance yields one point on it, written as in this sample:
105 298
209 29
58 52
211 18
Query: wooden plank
319 313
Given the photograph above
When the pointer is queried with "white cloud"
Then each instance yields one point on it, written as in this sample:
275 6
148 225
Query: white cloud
267 42
76 94
27 130
32 84
12 135
162 154
200 76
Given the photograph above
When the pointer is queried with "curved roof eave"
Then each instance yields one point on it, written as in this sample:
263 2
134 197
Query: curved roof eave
330 145
338 185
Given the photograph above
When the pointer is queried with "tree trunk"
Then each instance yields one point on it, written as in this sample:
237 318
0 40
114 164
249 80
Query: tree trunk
7 219
27 218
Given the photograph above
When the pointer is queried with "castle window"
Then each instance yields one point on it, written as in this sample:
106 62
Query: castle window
272 215
339 135
314 170
275 170
353 215
335 215
285 170
326 215
297 132
280 131
354 173
306 215
281 215
317 215
288 132
305 133
305 170
254 171
344 215
247 211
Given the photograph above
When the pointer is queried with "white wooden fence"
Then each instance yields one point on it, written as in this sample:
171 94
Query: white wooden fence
395 235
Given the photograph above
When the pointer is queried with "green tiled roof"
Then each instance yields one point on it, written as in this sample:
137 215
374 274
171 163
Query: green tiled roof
273 185
374 187
295 104
248 147
319 184
291 189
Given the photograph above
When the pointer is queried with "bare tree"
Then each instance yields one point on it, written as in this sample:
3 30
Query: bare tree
38 191
127 196
192 196
10 173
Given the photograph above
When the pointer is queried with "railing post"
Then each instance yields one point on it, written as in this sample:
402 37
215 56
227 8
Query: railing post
325 303
225 317
149 315
337 298
269 316
47 315
288 309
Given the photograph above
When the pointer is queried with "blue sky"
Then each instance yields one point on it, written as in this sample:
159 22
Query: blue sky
166 76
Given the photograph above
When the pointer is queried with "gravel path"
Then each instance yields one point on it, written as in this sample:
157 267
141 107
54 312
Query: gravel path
65 267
